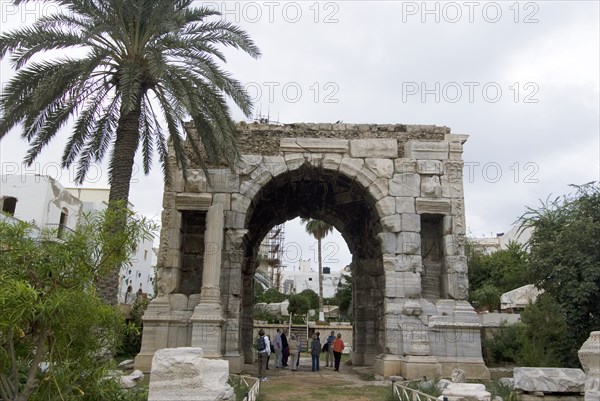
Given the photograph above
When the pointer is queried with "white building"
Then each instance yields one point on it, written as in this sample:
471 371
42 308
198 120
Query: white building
305 277
45 203
39 200
490 245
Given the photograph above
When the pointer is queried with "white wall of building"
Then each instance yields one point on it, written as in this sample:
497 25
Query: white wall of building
40 200
307 277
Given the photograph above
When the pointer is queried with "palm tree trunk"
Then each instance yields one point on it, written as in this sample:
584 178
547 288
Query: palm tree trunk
121 170
320 280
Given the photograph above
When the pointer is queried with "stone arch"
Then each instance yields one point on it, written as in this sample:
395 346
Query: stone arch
309 190
387 188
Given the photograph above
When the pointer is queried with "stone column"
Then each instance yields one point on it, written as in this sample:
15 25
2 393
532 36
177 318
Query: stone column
207 319
589 355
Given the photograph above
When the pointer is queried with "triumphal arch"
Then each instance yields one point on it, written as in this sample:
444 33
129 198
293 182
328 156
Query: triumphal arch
394 192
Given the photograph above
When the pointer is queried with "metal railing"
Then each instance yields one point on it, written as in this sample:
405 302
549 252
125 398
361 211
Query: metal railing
404 393
252 383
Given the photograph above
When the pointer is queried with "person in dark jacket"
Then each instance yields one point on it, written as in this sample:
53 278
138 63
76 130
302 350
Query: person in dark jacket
315 352
285 348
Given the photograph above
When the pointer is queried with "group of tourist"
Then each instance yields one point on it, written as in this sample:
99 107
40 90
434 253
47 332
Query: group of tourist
284 348
333 347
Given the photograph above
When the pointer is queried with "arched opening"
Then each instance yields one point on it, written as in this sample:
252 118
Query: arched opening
9 205
346 205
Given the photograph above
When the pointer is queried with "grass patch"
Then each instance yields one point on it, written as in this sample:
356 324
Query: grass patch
278 392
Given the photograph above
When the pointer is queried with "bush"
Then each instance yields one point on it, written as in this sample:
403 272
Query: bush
131 338
505 345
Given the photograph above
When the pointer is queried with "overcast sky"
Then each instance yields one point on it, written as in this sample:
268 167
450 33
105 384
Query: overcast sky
521 78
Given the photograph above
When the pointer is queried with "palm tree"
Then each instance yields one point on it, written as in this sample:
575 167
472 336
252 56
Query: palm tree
140 60
127 65
318 229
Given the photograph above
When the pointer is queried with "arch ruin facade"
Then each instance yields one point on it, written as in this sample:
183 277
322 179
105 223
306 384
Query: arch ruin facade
394 192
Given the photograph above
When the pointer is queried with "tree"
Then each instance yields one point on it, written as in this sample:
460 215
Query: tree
50 311
543 334
564 260
343 295
270 296
312 297
299 305
142 62
318 229
492 275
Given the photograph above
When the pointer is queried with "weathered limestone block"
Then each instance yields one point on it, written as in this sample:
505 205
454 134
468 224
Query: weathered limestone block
402 263
249 189
405 184
430 167
456 264
411 222
409 243
426 150
451 245
392 223
261 175
520 297
193 201
275 164
458 285
247 163
196 181
182 374
222 180
466 392
405 204
431 187
374 148
294 160
379 188
350 167
549 380
317 145
365 177
433 206
402 284
388 242
223 199
240 203
234 219
404 165
381 167
386 206
331 161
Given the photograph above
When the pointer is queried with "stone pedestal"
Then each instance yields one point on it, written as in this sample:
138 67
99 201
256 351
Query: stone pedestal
417 367
207 322
184 374
589 355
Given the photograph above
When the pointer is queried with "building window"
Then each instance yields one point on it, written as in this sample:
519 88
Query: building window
9 204
145 255
62 223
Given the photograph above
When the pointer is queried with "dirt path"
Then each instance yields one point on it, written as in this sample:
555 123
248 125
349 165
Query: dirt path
350 384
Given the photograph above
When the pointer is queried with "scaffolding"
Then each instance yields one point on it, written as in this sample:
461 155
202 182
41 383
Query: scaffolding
271 251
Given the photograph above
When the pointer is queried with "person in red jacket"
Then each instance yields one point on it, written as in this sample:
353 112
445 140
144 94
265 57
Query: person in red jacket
338 347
